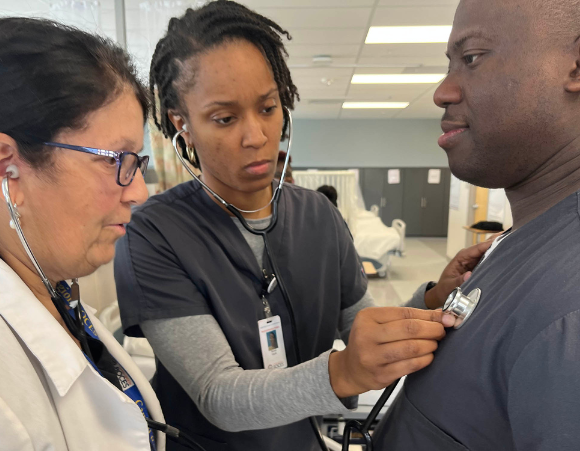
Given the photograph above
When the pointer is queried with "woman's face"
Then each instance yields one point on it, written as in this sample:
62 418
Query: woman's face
234 117
73 214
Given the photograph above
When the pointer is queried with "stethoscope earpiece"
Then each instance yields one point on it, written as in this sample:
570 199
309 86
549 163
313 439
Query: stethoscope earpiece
12 171
461 306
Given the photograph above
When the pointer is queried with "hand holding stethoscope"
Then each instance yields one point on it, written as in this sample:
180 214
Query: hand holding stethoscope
459 305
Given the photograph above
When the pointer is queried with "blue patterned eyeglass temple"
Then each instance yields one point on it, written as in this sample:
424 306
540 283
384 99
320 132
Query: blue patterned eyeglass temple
127 162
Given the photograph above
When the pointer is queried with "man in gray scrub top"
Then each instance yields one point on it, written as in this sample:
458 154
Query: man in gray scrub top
509 378
191 278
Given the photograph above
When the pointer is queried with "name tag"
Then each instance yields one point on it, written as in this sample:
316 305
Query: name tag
272 343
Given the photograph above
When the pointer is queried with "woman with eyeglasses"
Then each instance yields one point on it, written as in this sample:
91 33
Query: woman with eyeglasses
71 126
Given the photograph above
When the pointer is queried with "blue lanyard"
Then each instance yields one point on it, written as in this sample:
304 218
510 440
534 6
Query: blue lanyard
127 384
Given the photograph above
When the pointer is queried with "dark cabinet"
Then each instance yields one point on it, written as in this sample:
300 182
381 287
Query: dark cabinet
423 206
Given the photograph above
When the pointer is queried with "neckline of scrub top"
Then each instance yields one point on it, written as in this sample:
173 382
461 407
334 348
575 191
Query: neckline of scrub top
246 261
56 351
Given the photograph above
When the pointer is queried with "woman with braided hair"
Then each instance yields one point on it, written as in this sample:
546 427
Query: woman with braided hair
198 286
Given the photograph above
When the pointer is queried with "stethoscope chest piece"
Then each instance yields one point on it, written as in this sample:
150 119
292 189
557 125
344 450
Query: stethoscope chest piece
461 306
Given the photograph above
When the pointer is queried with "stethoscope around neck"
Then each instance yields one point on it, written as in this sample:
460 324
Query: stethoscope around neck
74 325
238 212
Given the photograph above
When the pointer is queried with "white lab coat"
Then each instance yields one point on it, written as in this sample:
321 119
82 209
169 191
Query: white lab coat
51 398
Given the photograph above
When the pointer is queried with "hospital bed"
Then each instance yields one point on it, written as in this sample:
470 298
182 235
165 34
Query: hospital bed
373 240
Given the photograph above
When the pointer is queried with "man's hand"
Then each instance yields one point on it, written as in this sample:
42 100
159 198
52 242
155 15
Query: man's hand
456 273
385 344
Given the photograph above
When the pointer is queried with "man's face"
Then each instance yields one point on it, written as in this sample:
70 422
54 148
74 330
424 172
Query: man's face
506 110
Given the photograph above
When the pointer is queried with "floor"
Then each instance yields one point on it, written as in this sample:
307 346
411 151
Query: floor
424 260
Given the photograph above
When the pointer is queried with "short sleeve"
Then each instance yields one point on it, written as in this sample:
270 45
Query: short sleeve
353 281
151 282
544 389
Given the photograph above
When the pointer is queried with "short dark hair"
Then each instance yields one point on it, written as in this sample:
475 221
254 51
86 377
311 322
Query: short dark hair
52 76
199 30
330 192
282 157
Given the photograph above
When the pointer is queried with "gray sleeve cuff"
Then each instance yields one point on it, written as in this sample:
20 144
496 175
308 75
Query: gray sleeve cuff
418 299
351 402
199 357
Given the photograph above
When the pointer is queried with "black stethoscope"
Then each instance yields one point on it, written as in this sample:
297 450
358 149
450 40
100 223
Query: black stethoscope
459 305
238 213
74 325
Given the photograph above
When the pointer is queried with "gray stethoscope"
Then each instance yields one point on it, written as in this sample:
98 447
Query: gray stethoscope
74 325
459 305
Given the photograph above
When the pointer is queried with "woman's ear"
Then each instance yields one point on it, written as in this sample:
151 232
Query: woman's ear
177 121
8 153
10 166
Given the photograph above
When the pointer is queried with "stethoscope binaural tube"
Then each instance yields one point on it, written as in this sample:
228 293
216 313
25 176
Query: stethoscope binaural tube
233 209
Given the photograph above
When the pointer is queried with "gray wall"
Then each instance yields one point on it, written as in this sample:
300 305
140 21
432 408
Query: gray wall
356 143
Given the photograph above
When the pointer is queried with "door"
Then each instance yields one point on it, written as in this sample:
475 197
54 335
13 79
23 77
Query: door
414 183
436 206
371 183
392 202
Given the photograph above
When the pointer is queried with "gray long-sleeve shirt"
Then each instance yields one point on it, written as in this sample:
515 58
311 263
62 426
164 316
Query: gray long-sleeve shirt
196 352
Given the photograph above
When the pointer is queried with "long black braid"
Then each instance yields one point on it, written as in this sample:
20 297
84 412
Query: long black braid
201 29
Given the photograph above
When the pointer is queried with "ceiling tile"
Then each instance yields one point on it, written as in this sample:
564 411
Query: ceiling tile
409 16
453 3
290 18
338 51
328 35
395 93
368 114
260 4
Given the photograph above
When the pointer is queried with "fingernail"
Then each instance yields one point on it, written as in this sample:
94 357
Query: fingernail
448 320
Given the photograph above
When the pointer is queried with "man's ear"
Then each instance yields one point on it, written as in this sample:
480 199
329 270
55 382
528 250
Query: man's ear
573 82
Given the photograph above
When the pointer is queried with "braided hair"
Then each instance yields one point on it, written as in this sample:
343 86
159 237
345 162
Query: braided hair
201 29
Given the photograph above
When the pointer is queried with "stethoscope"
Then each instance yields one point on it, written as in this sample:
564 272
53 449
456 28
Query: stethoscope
459 305
238 213
74 325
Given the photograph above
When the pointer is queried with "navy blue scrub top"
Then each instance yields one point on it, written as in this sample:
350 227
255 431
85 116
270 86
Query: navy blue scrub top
183 255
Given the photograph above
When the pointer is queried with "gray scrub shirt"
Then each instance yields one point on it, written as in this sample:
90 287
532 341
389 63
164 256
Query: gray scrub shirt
509 379
184 256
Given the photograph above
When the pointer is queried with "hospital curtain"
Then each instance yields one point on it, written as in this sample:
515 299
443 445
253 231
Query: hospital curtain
170 171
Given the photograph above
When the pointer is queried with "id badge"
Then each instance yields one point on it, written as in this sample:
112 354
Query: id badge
272 343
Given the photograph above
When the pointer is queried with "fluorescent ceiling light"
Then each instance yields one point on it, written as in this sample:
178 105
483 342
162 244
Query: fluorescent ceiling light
374 105
396 78
408 35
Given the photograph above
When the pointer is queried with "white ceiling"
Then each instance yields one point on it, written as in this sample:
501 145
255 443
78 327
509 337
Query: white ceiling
319 27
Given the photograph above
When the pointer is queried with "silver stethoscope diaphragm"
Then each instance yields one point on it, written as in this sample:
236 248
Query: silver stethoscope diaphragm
461 306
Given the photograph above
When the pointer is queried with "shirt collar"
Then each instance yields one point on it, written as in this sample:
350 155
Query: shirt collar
62 360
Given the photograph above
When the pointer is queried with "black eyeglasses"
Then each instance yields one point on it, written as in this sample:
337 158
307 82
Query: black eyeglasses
127 162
